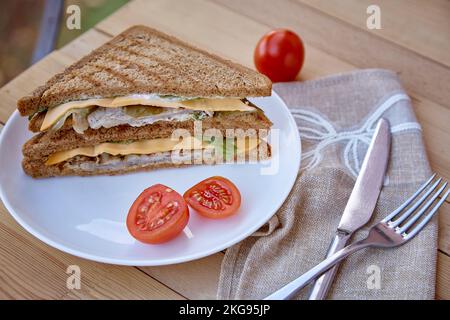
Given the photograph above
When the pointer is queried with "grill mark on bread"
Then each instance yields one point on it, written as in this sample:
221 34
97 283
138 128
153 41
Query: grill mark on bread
141 43
176 55
154 58
122 77
126 63
88 78
139 67
69 77
152 46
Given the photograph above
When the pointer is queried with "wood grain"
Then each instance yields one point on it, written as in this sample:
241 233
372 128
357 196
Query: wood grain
30 269
197 279
443 277
434 120
426 31
444 229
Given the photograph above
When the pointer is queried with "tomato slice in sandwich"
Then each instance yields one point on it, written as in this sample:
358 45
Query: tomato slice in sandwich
158 215
215 197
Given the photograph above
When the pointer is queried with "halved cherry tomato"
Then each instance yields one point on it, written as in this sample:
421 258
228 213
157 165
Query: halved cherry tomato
158 215
279 55
215 197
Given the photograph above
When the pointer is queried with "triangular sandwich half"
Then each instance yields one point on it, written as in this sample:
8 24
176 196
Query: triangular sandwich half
115 110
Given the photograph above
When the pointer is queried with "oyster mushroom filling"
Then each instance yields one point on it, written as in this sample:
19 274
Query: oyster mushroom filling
137 116
109 163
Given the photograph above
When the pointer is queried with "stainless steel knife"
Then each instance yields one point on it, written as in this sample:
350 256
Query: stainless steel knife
361 203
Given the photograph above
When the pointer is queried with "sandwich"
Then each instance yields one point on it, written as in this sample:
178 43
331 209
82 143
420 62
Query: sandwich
116 110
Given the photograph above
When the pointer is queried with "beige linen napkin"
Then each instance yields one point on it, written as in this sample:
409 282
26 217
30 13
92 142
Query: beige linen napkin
336 116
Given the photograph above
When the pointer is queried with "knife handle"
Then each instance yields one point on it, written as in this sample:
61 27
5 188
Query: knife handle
322 285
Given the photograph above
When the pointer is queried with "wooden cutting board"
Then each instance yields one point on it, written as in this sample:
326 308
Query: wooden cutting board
414 41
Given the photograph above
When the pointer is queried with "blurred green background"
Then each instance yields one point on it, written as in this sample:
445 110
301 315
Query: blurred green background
19 28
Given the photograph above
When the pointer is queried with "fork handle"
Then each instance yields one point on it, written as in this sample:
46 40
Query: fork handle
323 283
289 290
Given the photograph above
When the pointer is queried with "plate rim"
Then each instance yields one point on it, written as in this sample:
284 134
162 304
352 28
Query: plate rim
142 263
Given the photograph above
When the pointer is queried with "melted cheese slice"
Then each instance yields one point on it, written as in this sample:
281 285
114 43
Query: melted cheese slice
138 147
54 114
144 147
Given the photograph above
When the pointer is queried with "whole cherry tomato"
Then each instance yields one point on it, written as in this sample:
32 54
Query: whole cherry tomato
279 55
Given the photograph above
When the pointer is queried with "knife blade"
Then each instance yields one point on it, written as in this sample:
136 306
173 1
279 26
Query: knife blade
362 201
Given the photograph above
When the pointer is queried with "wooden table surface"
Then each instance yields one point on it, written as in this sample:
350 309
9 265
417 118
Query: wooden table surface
414 41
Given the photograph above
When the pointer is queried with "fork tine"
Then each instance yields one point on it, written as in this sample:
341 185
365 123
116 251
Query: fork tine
427 219
407 202
410 210
427 205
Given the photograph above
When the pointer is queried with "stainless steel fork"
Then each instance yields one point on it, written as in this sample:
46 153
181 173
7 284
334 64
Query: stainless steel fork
396 229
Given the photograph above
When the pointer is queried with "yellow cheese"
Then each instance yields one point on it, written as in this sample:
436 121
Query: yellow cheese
200 104
144 147
53 114
138 147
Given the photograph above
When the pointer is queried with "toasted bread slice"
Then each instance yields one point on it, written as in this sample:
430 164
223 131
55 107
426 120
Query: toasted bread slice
142 60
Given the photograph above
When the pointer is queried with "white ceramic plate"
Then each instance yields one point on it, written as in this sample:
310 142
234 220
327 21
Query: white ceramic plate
86 216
